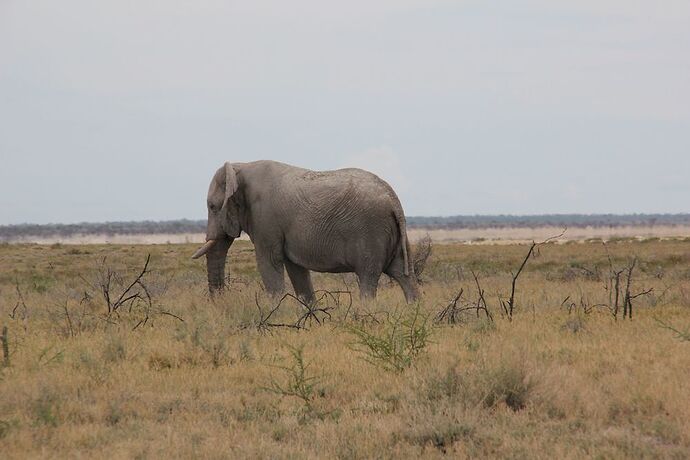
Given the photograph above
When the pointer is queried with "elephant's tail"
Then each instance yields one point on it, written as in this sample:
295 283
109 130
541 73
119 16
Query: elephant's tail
402 226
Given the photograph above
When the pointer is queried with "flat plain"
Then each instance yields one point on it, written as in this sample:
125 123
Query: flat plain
479 235
101 363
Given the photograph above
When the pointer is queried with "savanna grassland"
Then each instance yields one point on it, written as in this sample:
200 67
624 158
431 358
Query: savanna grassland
164 371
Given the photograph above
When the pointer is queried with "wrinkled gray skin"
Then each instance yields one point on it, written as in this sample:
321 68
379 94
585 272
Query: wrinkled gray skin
341 221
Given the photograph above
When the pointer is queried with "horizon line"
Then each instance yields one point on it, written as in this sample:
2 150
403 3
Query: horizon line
441 217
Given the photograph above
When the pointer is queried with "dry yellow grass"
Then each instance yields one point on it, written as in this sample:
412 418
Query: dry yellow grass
549 384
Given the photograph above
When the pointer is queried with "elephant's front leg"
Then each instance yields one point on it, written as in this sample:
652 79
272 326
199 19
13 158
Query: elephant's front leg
301 281
271 269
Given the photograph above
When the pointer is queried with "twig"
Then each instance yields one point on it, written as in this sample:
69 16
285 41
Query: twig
69 320
481 301
682 335
170 314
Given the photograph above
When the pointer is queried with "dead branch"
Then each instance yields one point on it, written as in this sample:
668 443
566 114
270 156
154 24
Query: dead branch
126 296
628 306
4 338
170 314
265 324
451 313
509 305
370 316
312 309
481 301
584 305
69 320
316 311
627 302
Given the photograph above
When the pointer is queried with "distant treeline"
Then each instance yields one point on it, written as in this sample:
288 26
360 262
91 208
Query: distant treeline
549 220
147 227
11 232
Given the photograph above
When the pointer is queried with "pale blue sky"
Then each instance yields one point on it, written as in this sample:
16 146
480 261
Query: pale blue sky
122 110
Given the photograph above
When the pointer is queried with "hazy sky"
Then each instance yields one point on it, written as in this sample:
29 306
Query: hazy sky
122 110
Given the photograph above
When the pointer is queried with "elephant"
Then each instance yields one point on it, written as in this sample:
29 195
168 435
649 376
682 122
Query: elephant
299 220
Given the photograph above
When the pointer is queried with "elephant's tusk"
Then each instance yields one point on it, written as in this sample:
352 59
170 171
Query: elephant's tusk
204 249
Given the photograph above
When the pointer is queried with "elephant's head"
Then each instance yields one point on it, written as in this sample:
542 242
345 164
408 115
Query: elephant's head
223 224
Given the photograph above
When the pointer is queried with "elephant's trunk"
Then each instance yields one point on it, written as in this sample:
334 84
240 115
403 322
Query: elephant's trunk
215 264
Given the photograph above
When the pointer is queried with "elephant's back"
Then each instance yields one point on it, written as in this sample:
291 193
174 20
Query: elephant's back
324 186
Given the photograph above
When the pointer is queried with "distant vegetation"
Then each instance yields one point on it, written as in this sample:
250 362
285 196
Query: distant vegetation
549 220
9 232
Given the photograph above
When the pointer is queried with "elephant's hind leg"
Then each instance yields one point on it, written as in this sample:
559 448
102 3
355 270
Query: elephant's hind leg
301 281
408 285
368 283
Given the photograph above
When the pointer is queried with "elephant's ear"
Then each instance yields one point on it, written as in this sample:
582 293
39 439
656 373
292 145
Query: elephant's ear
230 181
232 221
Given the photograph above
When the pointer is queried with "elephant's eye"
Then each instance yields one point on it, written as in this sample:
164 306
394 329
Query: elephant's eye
212 207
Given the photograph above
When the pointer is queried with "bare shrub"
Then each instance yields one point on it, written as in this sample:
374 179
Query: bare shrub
422 252
454 312
618 285
133 298
132 294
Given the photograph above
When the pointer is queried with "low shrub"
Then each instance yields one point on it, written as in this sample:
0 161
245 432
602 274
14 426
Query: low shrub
396 343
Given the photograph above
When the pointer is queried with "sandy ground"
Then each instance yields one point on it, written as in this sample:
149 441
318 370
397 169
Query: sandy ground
474 236
513 235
